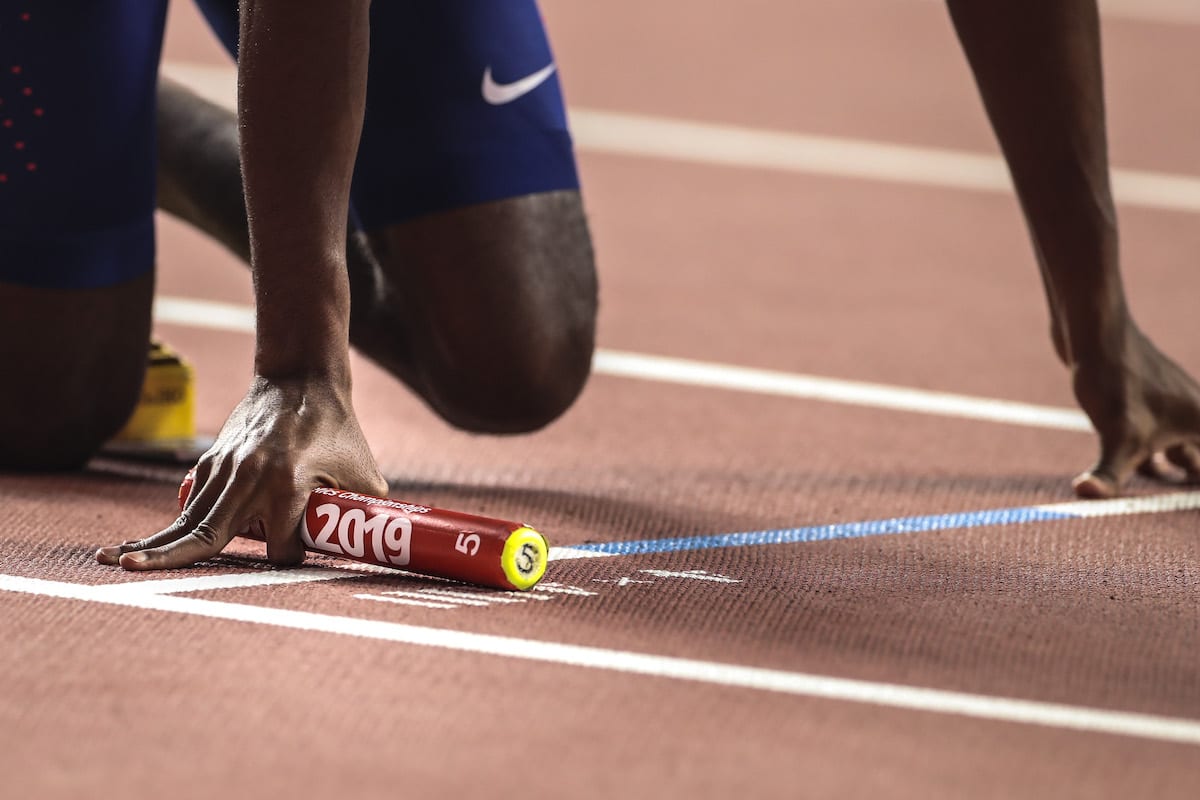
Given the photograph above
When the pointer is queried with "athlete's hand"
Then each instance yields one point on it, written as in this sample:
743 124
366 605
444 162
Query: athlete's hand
1146 410
283 440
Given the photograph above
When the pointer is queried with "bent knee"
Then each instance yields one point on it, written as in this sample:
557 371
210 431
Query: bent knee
61 420
501 340
507 393
67 395
55 427
50 445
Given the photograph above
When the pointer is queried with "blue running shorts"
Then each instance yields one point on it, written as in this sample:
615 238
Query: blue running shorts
77 146
464 106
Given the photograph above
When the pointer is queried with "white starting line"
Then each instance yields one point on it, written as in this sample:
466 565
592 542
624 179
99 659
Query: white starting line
998 709
162 595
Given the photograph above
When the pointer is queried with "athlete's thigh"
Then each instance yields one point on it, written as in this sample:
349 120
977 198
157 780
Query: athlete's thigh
467 186
77 150
77 162
464 106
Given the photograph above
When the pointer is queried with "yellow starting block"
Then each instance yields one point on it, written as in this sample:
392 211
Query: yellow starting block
163 426
167 407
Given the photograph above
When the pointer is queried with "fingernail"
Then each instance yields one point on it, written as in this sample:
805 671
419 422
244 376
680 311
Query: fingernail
134 558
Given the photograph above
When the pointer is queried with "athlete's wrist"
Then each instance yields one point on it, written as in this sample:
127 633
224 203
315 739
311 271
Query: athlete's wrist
322 356
1099 328
305 339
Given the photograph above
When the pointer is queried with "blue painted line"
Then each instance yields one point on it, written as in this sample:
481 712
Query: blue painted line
823 533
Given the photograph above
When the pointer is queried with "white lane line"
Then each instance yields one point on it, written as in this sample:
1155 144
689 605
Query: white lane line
453 601
736 146
834 390
1185 12
241 580
646 136
550 587
1176 11
403 601
567 553
688 372
210 314
1122 506
999 709
691 575
483 596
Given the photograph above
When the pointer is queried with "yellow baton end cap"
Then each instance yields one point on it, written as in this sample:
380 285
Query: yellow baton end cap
524 558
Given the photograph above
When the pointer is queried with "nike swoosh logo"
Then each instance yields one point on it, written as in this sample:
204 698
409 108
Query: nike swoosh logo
498 94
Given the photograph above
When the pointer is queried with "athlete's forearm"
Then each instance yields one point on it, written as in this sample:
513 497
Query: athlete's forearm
301 92
1038 66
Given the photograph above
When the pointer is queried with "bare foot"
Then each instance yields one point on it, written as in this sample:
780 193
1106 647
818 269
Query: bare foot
1146 410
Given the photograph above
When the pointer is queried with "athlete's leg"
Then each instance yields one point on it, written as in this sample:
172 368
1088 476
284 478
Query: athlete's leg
1038 68
466 184
474 283
76 223
489 310
74 361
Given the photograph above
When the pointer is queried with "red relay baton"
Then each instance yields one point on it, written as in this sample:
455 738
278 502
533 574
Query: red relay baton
416 538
